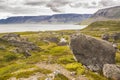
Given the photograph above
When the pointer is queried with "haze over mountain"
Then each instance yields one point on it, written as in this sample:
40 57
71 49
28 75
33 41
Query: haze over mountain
112 13
53 19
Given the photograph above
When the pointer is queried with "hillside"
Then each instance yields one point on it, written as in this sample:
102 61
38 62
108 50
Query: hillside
112 13
104 26
101 27
52 19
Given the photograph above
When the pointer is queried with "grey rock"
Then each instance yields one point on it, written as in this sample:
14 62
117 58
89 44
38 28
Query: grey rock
115 36
91 52
22 44
25 45
111 71
105 36
2 47
52 39
11 36
24 51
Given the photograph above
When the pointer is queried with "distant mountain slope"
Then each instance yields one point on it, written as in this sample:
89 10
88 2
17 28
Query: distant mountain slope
54 19
112 13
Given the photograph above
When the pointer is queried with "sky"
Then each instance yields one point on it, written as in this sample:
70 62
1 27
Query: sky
10 8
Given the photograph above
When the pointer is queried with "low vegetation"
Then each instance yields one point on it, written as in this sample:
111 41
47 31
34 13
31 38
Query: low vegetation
12 63
76 67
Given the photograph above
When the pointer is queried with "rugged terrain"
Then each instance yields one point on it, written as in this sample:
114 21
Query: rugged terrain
49 54
112 13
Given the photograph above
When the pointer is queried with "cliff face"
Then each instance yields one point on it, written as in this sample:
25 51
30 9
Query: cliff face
58 18
112 13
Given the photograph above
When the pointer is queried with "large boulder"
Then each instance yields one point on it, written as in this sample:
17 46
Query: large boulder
111 71
91 52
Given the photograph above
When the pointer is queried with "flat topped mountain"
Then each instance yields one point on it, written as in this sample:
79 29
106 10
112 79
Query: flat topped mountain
52 19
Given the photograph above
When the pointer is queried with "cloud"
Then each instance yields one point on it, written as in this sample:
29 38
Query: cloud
95 3
36 2
107 3
80 4
56 5
17 7
85 4
55 9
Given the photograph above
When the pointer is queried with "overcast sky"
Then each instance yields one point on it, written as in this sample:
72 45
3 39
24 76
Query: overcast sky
47 7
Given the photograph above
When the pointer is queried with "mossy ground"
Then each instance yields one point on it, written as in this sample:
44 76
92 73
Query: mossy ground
11 62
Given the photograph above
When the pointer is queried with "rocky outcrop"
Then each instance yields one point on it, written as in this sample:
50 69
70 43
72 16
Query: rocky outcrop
48 39
22 46
111 71
116 36
105 36
2 47
91 52
26 45
11 36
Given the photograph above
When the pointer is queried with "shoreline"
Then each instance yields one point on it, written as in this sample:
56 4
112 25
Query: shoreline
36 28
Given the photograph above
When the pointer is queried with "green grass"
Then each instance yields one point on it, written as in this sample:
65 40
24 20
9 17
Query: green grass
59 50
118 58
94 76
52 53
7 71
10 57
65 59
61 77
75 67
104 26
26 74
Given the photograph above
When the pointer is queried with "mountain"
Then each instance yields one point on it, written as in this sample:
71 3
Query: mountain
112 13
53 19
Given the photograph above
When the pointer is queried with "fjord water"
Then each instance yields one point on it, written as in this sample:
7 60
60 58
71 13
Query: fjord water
38 27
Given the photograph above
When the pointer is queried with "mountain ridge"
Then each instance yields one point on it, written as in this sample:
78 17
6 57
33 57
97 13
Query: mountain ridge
51 19
112 13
